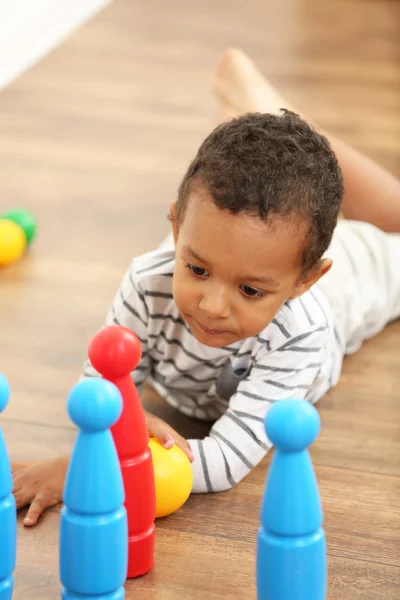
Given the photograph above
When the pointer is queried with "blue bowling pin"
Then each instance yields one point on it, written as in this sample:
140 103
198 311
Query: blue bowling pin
93 530
8 514
291 548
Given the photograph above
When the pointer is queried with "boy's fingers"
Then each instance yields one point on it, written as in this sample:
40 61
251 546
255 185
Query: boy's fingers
189 454
168 442
183 445
160 431
17 485
181 442
39 504
164 438
21 498
186 449
167 436
17 466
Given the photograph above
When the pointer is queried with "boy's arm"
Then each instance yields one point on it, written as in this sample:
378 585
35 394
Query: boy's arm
237 441
130 310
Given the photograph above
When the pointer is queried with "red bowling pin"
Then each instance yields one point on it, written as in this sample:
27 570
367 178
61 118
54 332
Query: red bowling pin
115 352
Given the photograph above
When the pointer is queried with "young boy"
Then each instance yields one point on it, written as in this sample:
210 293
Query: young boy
243 307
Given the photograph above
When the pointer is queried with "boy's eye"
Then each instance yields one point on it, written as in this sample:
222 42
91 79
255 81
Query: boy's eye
198 271
252 292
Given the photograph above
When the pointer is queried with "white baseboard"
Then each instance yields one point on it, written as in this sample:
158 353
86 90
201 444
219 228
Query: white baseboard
29 29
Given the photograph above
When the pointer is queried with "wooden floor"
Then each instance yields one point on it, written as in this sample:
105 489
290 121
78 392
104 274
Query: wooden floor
94 140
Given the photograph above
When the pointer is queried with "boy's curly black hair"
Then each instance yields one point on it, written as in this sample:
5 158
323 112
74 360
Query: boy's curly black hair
271 166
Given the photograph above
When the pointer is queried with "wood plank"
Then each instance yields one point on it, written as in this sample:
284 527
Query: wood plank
224 568
30 441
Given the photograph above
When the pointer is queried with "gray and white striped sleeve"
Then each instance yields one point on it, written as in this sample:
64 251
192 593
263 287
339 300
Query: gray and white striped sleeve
130 310
237 441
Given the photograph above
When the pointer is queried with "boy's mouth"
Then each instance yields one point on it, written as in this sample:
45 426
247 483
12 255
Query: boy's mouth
207 330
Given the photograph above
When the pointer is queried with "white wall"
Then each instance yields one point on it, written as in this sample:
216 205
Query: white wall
29 29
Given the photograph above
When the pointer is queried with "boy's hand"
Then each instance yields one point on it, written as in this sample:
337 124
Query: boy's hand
166 435
40 484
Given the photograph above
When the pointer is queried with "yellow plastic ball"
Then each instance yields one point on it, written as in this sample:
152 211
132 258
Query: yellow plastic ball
173 477
12 242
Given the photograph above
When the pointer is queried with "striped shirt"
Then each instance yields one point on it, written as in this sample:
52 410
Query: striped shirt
233 386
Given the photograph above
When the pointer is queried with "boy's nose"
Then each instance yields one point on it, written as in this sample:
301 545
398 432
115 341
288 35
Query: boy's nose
215 305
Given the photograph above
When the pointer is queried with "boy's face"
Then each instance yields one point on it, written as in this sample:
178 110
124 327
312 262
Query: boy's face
234 272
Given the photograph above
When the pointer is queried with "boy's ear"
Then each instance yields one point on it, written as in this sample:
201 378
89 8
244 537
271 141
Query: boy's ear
174 220
311 277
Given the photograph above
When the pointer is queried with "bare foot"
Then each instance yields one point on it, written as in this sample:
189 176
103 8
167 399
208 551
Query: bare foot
241 87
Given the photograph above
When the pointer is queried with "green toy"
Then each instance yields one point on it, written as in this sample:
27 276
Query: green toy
24 219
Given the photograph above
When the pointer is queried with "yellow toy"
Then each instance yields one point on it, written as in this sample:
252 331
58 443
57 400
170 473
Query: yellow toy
17 230
12 242
173 477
